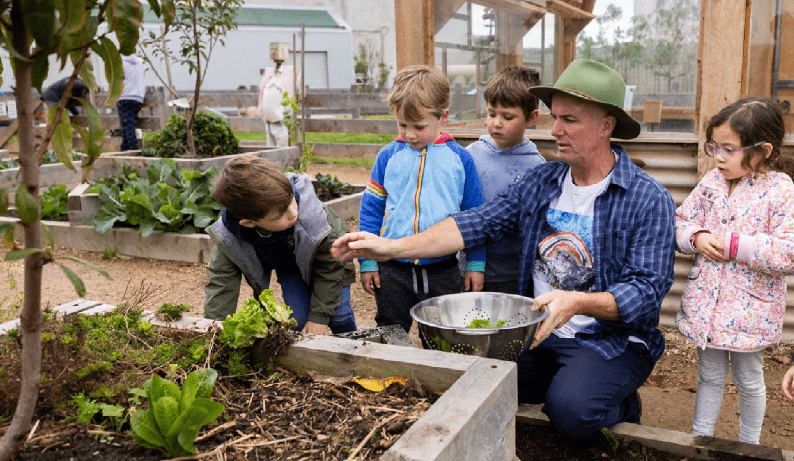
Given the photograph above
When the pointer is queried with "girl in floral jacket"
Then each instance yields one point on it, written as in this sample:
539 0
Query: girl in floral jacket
739 221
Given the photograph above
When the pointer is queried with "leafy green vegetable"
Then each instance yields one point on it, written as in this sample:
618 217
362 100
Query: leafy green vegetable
172 422
54 203
168 199
255 320
485 323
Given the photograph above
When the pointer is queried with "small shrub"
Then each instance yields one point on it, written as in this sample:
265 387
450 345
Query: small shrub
172 311
212 134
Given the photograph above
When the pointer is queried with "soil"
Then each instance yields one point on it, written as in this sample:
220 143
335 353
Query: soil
668 396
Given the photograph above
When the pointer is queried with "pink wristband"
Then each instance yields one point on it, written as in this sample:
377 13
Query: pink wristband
734 245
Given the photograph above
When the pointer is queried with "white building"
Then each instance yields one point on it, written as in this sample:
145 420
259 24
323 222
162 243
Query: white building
329 49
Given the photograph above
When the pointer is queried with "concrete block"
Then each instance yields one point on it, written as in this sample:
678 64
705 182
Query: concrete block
8 326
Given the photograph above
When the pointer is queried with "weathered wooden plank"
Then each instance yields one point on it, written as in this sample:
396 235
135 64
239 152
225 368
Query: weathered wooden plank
8 132
351 126
346 207
675 442
78 305
481 406
343 357
112 122
338 150
341 100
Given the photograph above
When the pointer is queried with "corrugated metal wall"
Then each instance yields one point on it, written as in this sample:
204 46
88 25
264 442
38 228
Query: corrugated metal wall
671 159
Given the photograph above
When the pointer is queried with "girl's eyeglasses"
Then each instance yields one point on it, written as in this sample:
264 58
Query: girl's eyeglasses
713 149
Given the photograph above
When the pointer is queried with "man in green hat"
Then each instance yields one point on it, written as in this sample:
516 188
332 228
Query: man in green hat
597 254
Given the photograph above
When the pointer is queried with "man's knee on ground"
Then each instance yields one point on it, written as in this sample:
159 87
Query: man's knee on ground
573 416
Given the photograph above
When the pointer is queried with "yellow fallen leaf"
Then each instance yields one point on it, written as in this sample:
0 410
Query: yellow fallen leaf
377 384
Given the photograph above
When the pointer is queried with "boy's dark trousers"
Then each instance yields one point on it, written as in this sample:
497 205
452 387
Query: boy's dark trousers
403 285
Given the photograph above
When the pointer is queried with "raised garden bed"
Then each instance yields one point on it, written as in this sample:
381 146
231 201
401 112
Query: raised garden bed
169 246
109 164
473 419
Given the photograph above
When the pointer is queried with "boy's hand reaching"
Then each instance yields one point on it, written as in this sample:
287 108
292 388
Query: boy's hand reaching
710 246
315 328
370 281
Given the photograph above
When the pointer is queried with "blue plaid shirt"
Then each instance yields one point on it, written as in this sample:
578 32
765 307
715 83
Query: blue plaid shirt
633 240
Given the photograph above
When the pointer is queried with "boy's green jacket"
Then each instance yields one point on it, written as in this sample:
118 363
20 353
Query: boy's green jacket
315 231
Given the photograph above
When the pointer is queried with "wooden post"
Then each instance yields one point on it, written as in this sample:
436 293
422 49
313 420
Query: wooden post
415 32
719 70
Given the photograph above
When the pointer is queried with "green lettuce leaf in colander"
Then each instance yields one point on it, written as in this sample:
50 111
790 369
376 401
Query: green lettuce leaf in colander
485 323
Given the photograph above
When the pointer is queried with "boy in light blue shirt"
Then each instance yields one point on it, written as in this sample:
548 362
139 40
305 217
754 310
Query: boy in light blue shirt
502 157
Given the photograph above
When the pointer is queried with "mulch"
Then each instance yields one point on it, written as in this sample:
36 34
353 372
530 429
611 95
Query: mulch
278 417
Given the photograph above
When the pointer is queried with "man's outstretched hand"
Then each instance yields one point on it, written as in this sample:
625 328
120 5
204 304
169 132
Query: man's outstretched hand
361 245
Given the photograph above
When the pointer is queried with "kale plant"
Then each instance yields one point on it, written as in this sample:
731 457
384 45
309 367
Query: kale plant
168 199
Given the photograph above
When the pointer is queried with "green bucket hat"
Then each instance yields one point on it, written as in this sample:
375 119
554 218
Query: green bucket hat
596 82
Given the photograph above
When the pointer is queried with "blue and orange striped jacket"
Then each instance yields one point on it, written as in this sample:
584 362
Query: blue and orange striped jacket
410 190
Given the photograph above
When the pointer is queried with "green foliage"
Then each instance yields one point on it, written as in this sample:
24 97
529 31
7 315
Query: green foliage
168 199
114 415
485 323
54 203
255 320
330 187
109 253
212 134
172 422
171 311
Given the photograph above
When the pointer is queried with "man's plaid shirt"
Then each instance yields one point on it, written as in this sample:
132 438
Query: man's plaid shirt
633 240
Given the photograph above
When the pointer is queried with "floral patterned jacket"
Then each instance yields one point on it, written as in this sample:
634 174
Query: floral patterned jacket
738 304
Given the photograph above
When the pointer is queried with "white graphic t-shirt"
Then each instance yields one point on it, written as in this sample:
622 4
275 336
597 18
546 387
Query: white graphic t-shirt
564 260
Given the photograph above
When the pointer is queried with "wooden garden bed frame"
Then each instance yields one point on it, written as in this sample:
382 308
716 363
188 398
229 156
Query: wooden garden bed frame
473 419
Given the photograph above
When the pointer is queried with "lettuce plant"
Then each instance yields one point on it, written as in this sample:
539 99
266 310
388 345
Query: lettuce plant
255 320
172 422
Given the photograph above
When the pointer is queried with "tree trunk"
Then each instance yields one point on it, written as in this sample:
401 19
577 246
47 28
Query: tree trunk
30 317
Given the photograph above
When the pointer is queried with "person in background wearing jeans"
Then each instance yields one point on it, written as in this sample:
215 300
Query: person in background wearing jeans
273 221
131 100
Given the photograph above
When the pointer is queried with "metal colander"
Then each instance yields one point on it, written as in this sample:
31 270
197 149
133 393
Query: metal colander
442 323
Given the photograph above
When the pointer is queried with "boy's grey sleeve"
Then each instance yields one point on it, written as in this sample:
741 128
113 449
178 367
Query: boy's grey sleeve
223 286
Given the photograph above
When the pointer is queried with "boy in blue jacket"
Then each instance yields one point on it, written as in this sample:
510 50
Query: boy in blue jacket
502 157
418 180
